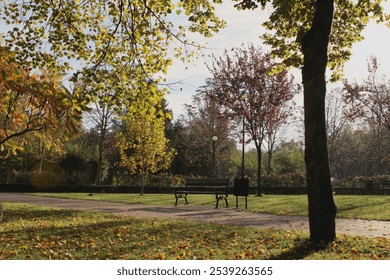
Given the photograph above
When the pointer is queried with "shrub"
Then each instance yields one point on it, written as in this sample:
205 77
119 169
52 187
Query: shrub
154 180
284 180
364 182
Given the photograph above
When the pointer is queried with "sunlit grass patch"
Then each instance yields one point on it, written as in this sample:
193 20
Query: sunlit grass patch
371 207
31 232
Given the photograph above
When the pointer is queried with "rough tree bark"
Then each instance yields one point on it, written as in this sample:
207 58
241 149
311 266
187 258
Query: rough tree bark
322 210
1 211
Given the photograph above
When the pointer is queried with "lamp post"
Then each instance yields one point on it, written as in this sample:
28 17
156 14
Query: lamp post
243 139
215 139
241 185
243 149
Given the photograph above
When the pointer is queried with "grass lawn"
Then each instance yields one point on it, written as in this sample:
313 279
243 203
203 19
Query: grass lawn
368 207
32 232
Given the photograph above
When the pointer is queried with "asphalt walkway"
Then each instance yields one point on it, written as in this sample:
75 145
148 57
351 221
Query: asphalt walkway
228 216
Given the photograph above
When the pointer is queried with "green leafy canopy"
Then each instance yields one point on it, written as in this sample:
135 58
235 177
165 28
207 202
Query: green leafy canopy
121 34
130 39
290 20
118 46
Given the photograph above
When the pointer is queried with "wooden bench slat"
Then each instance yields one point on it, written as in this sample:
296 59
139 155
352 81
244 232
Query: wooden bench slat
207 182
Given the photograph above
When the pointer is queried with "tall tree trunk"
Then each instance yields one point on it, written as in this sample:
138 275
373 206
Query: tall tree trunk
322 210
259 158
102 121
269 162
102 137
271 139
143 184
1 211
99 163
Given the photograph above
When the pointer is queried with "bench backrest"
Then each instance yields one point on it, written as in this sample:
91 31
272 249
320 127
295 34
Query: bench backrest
207 182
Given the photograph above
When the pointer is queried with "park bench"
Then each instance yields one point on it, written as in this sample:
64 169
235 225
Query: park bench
385 184
215 186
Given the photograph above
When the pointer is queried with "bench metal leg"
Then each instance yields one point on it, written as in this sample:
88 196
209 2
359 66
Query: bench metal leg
177 196
221 196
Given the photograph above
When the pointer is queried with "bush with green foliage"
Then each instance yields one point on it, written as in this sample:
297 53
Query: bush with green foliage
364 182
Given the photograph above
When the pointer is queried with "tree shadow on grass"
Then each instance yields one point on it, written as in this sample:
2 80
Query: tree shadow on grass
108 237
17 211
11 215
301 249
358 206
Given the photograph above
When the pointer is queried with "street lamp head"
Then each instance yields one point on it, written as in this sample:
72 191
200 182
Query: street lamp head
215 138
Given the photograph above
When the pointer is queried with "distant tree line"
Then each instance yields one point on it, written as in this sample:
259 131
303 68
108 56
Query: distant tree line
116 147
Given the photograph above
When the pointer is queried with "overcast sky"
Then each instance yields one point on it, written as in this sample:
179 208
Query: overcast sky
245 27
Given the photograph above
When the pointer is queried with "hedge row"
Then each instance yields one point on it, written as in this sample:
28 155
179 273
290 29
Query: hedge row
363 182
82 189
155 189
291 180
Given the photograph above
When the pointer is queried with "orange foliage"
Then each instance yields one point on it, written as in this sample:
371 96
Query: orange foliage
31 103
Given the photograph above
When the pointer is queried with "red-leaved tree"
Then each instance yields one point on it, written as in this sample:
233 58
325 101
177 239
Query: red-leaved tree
246 88
371 99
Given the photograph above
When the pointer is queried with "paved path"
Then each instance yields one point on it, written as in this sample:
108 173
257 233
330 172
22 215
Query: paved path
221 215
